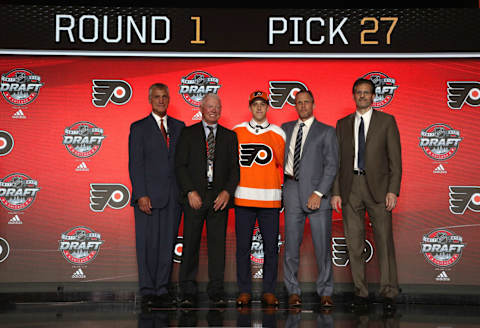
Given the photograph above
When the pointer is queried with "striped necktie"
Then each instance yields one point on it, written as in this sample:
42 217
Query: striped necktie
298 149
210 144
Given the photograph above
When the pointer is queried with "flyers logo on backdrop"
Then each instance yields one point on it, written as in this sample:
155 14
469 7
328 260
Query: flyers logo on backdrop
18 191
384 88
80 245
459 93
116 196
4 249
255 153
440 141
340 251
20 86
463 198
6 143
117 92
442 248
283 92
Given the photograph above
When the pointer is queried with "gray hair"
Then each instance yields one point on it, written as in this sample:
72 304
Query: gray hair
160 86
210 95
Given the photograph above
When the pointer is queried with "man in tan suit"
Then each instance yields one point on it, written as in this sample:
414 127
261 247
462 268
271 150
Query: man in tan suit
368 179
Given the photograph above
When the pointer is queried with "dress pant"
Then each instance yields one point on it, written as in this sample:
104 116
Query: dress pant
359 201
155 237
268 222
193 221
321 228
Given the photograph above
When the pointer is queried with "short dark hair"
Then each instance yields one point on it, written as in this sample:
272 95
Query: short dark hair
309 92
363 81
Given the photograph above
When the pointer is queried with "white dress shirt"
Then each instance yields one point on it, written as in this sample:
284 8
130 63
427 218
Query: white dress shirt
158 118
366 123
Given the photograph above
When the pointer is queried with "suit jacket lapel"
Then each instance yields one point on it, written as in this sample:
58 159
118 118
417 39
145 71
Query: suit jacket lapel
372 127
311 134
288 131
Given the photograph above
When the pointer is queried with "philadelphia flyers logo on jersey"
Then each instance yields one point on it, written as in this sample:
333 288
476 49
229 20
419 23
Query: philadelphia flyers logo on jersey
255 153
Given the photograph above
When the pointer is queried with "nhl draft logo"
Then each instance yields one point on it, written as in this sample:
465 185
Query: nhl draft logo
196 85
255 153
442 248
284 92
256 254
20 86
80 245
4 249
116 196
18 191
117 92
384 88
83 139
459 93
463 197
340 251
6 143
440 141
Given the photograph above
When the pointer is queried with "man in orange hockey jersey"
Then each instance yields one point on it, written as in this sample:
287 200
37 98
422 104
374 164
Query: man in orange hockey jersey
258 197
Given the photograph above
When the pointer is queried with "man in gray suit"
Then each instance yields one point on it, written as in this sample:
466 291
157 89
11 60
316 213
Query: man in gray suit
311 159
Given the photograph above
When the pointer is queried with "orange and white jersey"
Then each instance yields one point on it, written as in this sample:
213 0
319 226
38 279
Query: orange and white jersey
261 158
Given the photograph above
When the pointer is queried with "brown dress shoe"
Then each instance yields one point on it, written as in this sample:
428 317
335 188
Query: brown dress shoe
326 301
244 299
294 300
269 299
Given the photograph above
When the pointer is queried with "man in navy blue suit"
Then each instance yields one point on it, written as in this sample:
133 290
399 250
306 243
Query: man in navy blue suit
152 144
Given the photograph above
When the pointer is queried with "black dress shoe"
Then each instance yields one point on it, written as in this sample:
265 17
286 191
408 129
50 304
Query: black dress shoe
187 301
148 300
360 301
389 305
218 300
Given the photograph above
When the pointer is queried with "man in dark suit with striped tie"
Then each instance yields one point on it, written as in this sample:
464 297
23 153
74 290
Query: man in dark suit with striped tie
208 173
152 144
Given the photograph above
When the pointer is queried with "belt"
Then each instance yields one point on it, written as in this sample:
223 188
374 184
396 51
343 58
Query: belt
359 172
290 177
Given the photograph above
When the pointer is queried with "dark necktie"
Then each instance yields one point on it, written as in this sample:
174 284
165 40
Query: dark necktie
361 145
210 144
164 132
298 148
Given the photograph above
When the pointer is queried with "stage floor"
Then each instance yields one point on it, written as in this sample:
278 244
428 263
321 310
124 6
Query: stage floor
129 314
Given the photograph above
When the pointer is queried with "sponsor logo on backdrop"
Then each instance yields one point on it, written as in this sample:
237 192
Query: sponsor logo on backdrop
463 198
4 249
442 248
461 92
178 250
117 92
256 254
82 167
19 115
258 153
80 245
440 169
196 85
79 274
20 86
114 195
340 251
15 220
440 141
6 143
385 88
18 191
442 276
284 92
83 139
